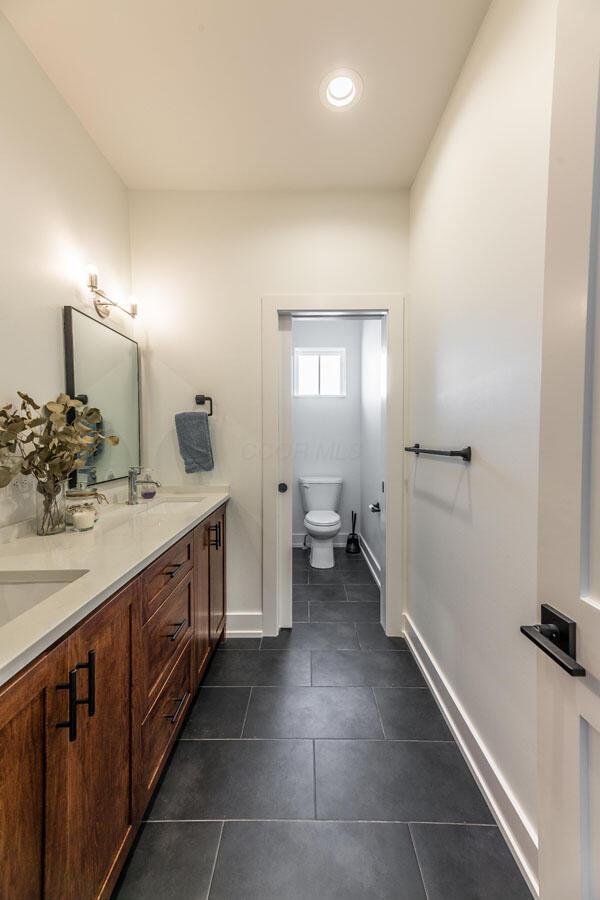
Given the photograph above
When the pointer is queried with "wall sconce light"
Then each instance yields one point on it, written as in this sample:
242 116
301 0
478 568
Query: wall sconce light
103 303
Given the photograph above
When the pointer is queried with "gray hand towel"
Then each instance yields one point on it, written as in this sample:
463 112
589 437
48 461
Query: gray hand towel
194 441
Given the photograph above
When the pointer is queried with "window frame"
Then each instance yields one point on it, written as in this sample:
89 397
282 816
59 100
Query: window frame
321 351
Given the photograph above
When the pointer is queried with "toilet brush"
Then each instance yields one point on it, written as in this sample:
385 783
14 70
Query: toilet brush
352 544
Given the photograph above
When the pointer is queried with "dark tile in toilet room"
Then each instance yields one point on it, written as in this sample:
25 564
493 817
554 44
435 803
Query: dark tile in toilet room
218 712
238 668
300 557
171 860
411 714
319 592
314 636
467 862
356 592
373 668
344 612
299 576
316 860
371 636
312 712
300 611
345 560
403 781
339 576
237 780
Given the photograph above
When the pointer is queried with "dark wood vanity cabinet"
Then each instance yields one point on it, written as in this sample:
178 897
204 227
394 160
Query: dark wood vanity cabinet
65 748
34 814
86 729
202 642
216 567
99 785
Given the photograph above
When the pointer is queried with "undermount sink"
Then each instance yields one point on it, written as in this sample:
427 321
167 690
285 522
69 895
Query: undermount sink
20 591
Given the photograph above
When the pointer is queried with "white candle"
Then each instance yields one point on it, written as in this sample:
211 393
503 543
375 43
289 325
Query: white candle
83 519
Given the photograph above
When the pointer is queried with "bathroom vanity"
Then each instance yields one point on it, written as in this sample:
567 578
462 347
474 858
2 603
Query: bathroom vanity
97 676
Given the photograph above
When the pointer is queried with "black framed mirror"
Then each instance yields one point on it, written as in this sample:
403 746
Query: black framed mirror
102 370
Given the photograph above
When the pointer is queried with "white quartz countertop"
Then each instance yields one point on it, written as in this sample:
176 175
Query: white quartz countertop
125 540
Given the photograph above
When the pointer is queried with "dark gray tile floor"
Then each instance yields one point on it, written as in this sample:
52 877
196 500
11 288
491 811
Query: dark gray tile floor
317 765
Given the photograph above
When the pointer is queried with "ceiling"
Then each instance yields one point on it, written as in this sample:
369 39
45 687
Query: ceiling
224 94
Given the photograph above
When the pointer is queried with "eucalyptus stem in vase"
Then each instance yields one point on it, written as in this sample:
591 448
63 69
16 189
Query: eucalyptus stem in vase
49 443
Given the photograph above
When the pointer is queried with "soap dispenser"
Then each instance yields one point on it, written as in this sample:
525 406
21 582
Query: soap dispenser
147 486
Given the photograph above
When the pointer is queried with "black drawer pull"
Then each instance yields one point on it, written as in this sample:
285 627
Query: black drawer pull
180 704
172 570
216 529
71 687
90 665
177 626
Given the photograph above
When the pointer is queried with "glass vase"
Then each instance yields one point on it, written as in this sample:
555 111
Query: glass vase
50 511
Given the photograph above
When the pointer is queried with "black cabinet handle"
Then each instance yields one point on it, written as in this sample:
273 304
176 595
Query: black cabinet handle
172 570
177 626
219 535
71 722
90 665
216 529
556 637
180 704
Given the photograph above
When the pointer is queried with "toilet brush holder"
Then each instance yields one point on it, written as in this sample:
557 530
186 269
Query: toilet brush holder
352 543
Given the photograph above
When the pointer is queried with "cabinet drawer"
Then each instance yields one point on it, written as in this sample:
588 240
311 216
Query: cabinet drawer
164 634
166 571
162 722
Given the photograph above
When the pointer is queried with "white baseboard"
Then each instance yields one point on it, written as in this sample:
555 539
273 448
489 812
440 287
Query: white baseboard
298 539
518 832
371 561
243 624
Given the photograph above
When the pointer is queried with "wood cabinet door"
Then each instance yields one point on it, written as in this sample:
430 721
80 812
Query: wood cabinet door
201 600
101 815
216 568
34 826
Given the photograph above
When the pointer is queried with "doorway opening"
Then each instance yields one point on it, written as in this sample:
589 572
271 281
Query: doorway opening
332 371
338 484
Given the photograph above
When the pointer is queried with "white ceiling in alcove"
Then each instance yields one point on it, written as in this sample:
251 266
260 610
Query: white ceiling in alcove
224 94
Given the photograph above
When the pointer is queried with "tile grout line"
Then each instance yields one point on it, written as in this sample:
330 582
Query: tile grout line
378 713
364 740
246 713
214 866
331 821
414 846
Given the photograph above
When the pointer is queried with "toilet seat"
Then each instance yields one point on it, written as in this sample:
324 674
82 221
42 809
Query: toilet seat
324 518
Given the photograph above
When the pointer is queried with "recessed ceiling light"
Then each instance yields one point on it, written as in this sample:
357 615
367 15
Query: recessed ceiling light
341 89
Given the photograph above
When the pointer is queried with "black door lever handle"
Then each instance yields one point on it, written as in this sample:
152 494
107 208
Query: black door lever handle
556 637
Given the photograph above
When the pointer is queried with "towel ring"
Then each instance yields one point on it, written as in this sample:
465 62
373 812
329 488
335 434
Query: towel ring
201 399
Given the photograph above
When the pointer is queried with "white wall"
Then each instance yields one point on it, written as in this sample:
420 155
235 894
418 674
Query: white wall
372 525
201 262
326 431
478 210
62 208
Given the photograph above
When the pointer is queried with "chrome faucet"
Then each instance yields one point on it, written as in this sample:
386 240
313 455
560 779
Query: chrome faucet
132 477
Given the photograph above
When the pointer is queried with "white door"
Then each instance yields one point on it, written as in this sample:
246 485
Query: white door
569 510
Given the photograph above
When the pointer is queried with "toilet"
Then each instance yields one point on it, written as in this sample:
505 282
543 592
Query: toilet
321 499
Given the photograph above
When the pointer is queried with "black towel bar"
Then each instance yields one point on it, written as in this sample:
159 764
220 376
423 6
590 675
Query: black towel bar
464 454
201 399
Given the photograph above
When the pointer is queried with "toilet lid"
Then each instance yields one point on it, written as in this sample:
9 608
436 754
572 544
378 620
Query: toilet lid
322 517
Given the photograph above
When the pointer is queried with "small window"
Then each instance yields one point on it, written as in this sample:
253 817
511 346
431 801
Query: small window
320 372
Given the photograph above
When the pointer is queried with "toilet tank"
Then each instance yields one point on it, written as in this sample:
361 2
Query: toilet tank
320 491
